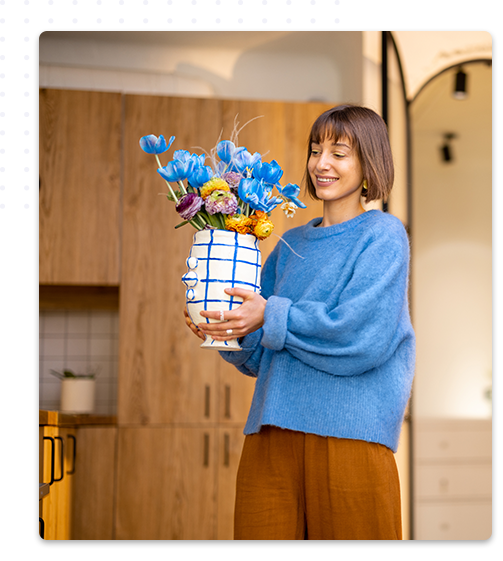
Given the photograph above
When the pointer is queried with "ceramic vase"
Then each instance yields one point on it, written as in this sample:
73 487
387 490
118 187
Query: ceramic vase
220 259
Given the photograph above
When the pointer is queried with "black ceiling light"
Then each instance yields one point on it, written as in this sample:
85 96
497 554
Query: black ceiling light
460 85
446 149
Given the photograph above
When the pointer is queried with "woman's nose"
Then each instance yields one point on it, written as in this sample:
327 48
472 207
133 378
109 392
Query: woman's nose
323 162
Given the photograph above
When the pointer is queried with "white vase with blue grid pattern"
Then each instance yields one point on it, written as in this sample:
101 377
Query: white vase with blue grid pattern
220 259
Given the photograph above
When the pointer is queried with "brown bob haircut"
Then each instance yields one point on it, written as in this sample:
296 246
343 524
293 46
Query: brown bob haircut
367 133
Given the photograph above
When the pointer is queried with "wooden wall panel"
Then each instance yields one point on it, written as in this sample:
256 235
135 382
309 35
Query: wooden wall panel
163 377
80 169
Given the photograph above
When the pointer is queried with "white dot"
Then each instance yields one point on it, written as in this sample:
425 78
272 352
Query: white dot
121 21
169 20
26 75
50 20
145 20
145 2
98 20
26 114
75 2
217 20
74 20
26 20
240 20
26 206
26 132
264 21
26 187
313 20
336 20
26 169
26 151
26 39
26 57
2 206
194 20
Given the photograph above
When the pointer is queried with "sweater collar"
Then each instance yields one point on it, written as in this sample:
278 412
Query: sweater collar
313 231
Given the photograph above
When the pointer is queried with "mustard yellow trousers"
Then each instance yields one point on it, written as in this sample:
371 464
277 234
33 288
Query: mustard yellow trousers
297 486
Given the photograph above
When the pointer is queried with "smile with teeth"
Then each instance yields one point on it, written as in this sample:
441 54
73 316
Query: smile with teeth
326 179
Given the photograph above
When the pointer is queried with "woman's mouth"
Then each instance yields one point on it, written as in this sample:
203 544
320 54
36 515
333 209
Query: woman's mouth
326 179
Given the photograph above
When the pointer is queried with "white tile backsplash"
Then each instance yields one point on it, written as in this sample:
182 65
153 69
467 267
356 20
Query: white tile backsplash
82 341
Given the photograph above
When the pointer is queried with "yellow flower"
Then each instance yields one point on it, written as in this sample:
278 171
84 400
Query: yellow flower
263 228
239 223
214 184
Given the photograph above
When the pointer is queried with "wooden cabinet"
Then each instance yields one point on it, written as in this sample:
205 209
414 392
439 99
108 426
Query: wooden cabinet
452 479
79 459
80 184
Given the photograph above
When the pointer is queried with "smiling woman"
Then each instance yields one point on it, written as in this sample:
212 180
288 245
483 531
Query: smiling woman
362 134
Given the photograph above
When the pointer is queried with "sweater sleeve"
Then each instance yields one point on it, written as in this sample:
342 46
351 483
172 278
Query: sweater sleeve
355 330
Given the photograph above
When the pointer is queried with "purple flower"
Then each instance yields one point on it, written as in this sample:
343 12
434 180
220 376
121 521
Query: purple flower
233 178
189 205
221 201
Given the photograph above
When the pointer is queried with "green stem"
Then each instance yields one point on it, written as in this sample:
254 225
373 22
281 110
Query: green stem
182 187
169 186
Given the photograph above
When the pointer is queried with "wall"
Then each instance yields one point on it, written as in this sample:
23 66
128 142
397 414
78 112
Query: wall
82 341
286 66
452 248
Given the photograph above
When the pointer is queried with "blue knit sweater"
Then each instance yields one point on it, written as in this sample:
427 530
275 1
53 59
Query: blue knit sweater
336 353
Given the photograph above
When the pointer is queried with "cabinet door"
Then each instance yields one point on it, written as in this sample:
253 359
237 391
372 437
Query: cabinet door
230 445
55 510
93 484
80 168
235 392
166 484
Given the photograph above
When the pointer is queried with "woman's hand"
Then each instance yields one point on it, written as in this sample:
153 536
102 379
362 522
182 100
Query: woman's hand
248 317
192 327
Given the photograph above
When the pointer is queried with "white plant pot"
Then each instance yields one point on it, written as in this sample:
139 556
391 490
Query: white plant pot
77 395
220 259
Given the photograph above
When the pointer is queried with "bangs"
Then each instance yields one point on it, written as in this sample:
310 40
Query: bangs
330 126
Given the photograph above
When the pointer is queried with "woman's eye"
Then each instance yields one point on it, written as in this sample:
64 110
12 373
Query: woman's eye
339 155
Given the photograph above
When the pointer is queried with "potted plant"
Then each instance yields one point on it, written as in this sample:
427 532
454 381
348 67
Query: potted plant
77 391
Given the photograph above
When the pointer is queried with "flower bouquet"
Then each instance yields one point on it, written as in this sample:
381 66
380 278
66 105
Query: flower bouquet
229 203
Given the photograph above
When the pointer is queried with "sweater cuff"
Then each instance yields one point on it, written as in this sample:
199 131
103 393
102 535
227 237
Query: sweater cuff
248 346
275 322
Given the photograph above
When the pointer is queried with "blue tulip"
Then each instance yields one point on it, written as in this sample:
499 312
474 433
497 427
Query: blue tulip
270 173
199 176
291 192
257 194
244 159
153 145
226 150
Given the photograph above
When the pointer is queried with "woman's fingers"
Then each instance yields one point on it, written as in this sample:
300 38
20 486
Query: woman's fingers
192 327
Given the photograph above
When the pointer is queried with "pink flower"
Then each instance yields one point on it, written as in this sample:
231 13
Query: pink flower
221 201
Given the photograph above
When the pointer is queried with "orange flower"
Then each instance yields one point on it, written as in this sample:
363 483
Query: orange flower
263 228
239 223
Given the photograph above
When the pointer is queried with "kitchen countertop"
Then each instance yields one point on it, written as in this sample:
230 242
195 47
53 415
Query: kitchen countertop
59 419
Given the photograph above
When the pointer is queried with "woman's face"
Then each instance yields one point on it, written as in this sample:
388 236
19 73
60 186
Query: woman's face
335 171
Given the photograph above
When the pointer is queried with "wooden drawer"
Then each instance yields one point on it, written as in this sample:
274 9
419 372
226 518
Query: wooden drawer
453 481
455 440
454 521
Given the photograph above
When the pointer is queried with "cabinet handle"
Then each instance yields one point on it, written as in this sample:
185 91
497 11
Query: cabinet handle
42 527
206 450
207 401
226 449
62 469
227 410
72 437
52 457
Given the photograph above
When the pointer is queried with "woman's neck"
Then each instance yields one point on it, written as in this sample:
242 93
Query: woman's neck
336 214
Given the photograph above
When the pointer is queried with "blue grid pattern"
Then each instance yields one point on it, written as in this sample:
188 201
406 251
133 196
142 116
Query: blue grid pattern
220 259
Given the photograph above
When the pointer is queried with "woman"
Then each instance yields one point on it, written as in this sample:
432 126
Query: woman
332 347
